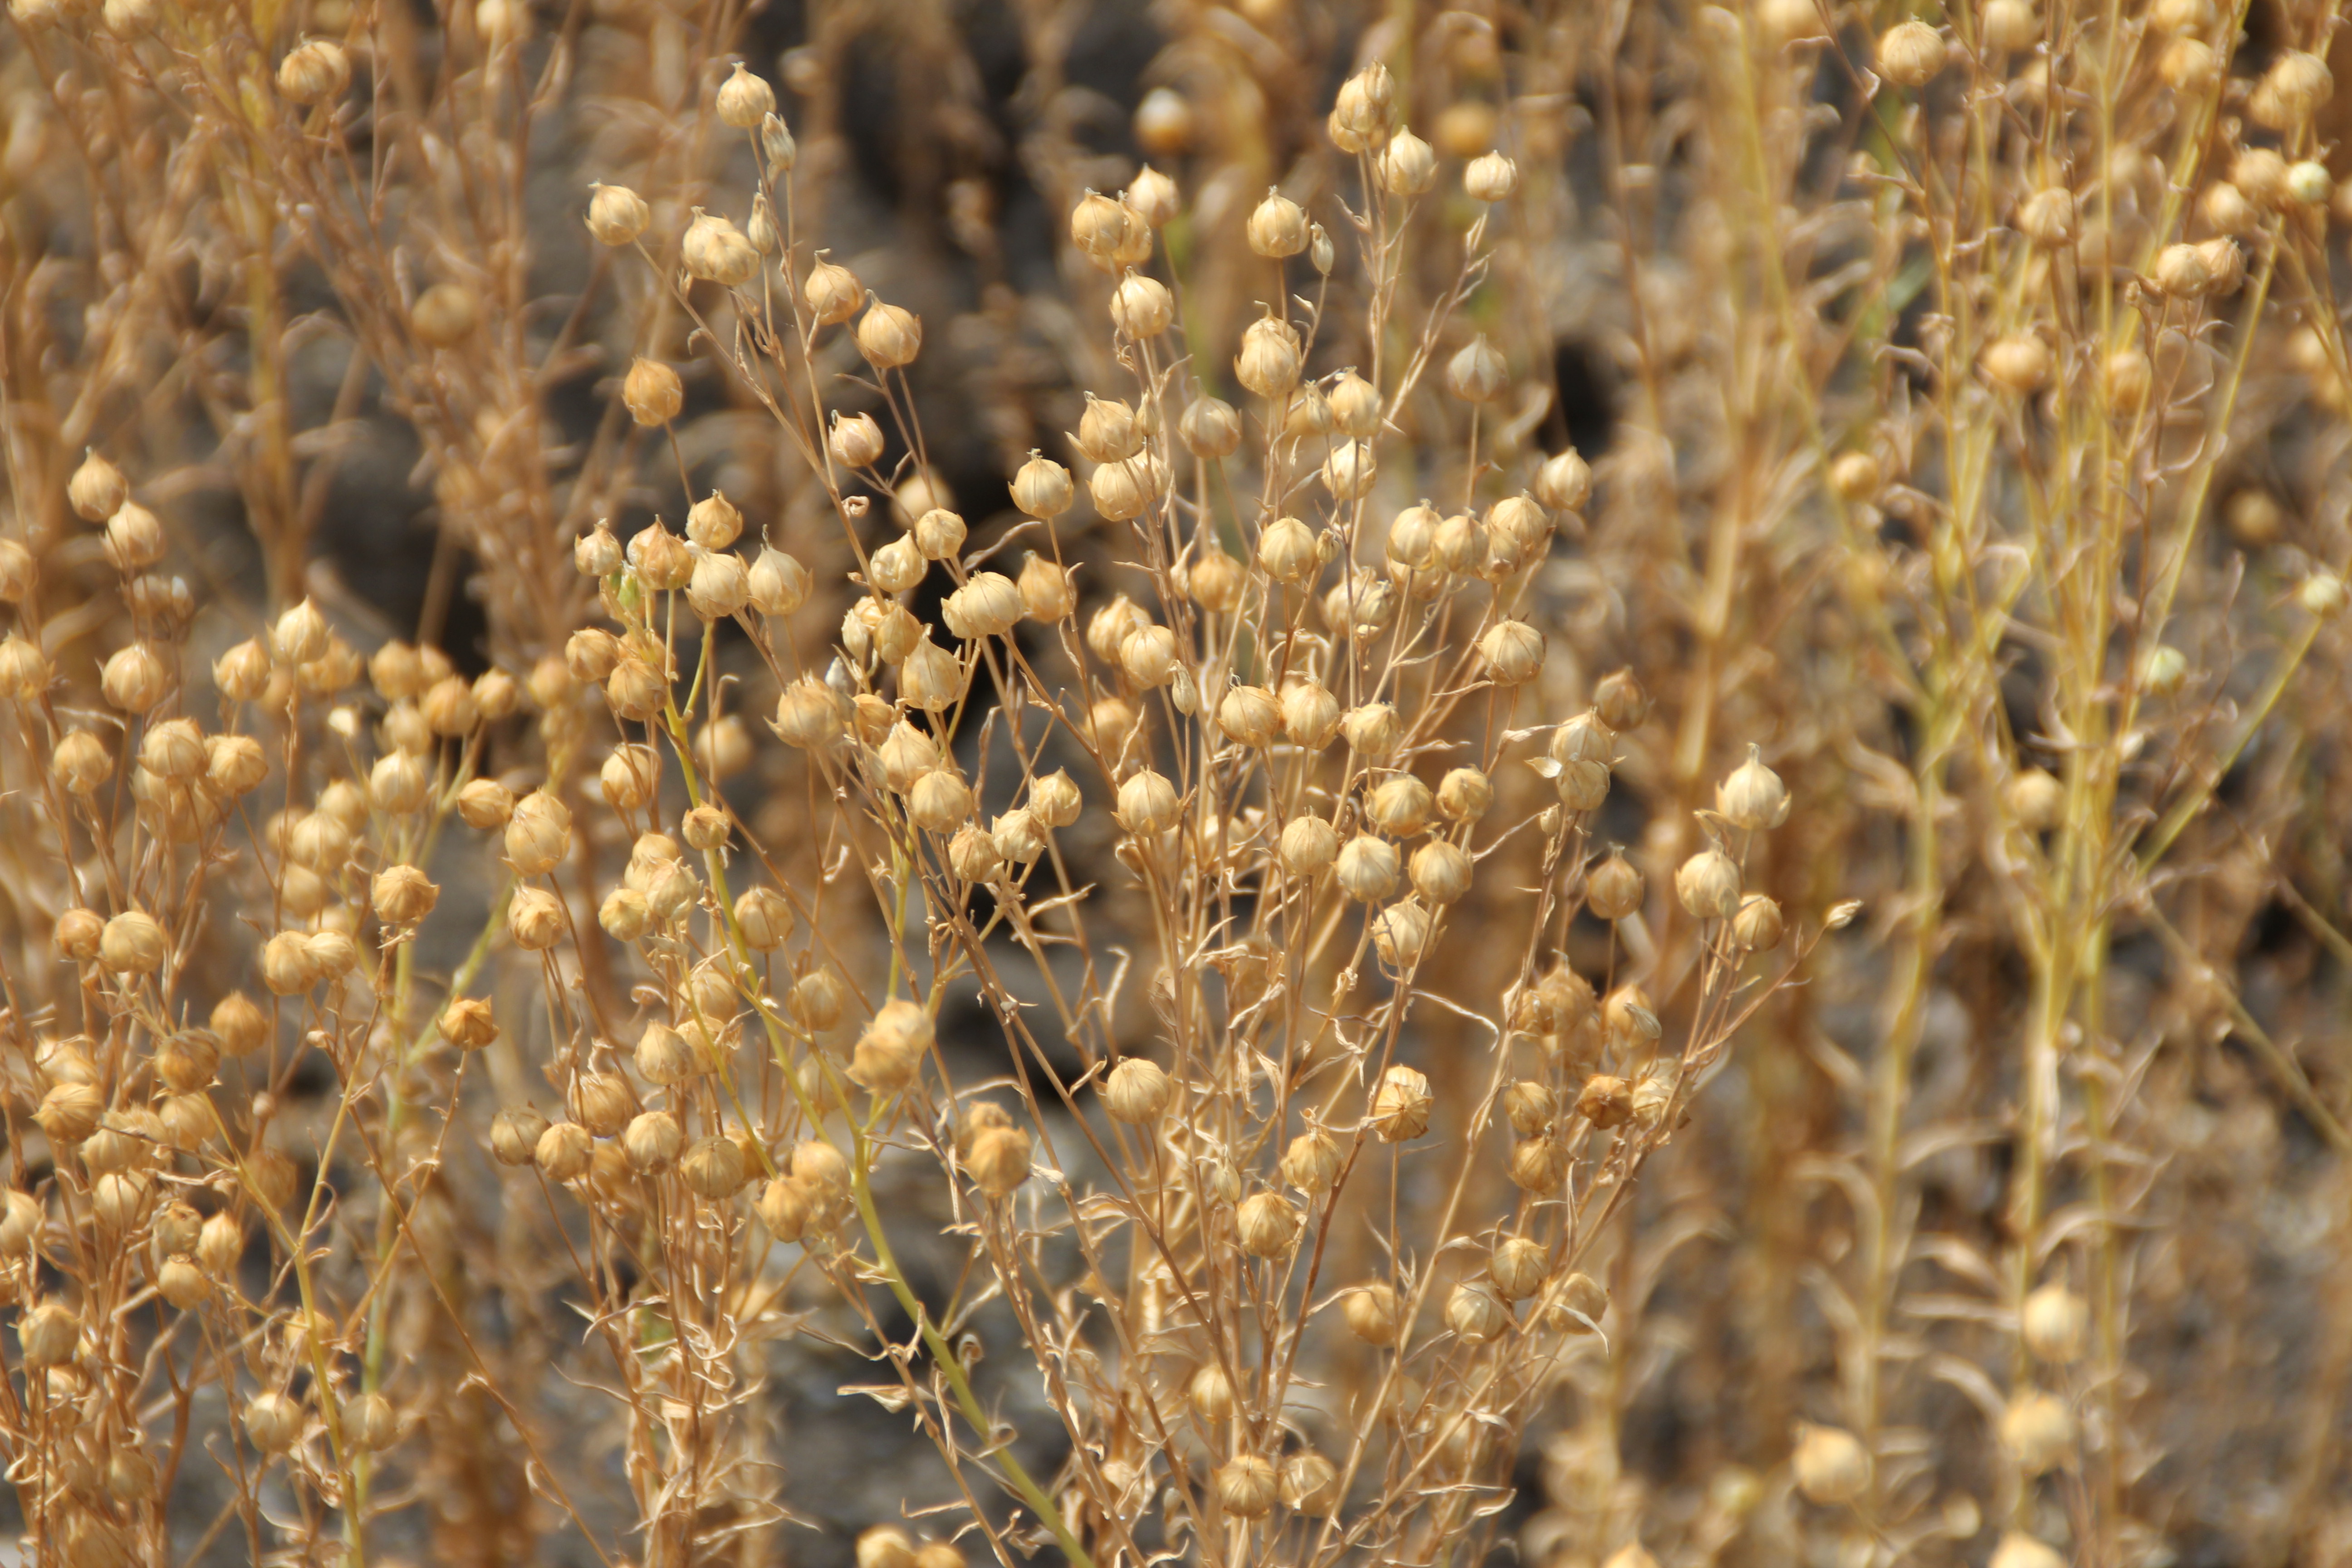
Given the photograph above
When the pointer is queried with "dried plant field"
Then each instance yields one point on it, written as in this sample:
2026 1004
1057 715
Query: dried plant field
863 781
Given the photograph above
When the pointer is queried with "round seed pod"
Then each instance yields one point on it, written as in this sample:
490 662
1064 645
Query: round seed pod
616 214
624 916
1564 482
1372 730
1829 1464
1368 868
940 801
604 1103
2019 364
134 539
1308 845
219 1245
2128 377
2018 1550
816 1001
1310 1484
744 101
809 716
1047 595
1580 1302
1490 177
97 488
653 392
1401 933
1311 1162
486 804
1474 1314
24 669
1350 471
1477 372
538 834
1758 927
786 1205
704 828
49 1334
1606 1101
1856 477
1210 428
1708 885
132 943
1163 124
1019 838
2038 1431
1530 1107
663 1057
1400 807
999 1161
1270 357
535 920
1056 799
988 604
832 292
2163 671
889 336
274 1421
314 72
369 1422
1250 715
515 1133
1400 1105
1464 795
181 1284
1278 227
135 679
466 1023
1753 797
891 1047
765 918
1143 307
1108 232
1513 652
973 854
2225 263
1371 1315
1518 1268
1042 489
1138 1092
1310 714
2182 272
1613 890
1441 871
1620 703
1148 805
81 764
778 583
564 1151
2054 1325
713 1168
70 1112
78 934
1247 1486
652 1142
1287 549
402 895
855 441
1910 54
720 586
